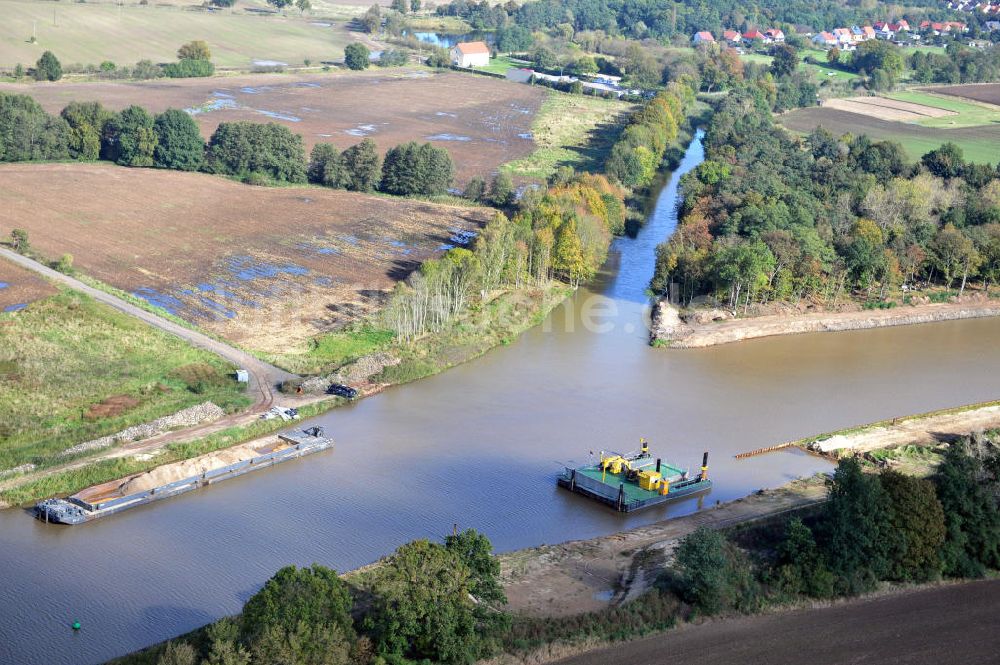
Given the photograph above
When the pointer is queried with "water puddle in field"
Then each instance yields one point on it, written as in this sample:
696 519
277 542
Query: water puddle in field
321 24
270 63
4 285
306 84
15 307
220 104
361 130
525 135
279 116
246 268
446 114
449 137
458 238
162 300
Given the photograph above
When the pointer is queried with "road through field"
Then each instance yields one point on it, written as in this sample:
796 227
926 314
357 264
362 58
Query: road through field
956 623
263 377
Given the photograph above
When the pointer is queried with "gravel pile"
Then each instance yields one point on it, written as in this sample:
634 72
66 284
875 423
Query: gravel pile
194 415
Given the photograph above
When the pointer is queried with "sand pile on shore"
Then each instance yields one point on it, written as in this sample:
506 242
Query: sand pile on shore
170 473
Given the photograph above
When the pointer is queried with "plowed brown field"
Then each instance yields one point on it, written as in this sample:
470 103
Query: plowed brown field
483 122
18 287
988 93
265 267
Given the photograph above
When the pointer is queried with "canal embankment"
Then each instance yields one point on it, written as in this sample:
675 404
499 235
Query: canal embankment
700 328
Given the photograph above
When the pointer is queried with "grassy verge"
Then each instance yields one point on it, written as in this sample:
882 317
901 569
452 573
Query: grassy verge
889 422
73 369
335 349
68 482
571 130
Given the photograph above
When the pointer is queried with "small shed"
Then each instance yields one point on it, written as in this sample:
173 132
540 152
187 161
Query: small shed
243 376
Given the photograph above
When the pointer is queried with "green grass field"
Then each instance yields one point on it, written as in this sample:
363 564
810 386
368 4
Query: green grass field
88 33
970 114
501 63
570 130
64 356
823 72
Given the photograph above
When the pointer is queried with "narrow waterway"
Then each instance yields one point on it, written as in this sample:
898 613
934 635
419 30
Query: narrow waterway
479 446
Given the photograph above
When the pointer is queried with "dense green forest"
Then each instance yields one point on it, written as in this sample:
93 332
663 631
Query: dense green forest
769 216
652 18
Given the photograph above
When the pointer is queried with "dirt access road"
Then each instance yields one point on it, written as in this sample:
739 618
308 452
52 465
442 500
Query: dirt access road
955 623
263 377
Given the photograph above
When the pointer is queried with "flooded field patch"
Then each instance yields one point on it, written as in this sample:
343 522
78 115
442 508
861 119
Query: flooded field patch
485 122
266 267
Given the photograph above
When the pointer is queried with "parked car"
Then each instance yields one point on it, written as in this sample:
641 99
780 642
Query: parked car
282 412
340 390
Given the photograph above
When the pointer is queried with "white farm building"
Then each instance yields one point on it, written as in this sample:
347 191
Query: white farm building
470 54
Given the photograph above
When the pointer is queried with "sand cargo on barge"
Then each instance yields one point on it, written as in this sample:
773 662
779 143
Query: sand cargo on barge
116 496
633 481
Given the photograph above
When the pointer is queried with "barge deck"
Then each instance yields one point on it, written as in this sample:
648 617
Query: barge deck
118 495
634 481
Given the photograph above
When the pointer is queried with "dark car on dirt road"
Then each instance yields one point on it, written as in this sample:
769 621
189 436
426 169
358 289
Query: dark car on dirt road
340 390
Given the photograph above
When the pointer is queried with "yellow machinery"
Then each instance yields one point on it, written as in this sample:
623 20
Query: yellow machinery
615 463
649 480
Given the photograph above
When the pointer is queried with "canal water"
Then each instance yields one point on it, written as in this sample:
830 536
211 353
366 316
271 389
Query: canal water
479 446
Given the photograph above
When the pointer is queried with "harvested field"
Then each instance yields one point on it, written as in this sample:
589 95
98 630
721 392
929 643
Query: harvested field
266 267
987 93
94 31
483 122
19 287
915 627
886 109
979 144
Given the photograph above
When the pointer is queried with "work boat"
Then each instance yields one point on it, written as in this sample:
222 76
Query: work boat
635 480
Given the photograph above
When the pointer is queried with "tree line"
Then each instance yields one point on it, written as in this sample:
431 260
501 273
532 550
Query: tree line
561 233
258 153
426 602
771 217
637 154
873 527
641 19
193 60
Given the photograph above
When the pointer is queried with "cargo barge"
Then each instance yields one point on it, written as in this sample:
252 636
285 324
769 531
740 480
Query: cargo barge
110 498
633 481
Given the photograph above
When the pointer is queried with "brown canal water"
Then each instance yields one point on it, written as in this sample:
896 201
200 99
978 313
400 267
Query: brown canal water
479 446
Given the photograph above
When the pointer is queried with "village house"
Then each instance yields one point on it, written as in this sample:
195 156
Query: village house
754 33
824 39
470 54
733 37
703 37
844 36
776 35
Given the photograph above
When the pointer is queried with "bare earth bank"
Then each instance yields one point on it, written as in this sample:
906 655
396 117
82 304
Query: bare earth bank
699 330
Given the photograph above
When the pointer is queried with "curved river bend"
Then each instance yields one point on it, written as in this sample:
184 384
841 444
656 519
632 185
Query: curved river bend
479 446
